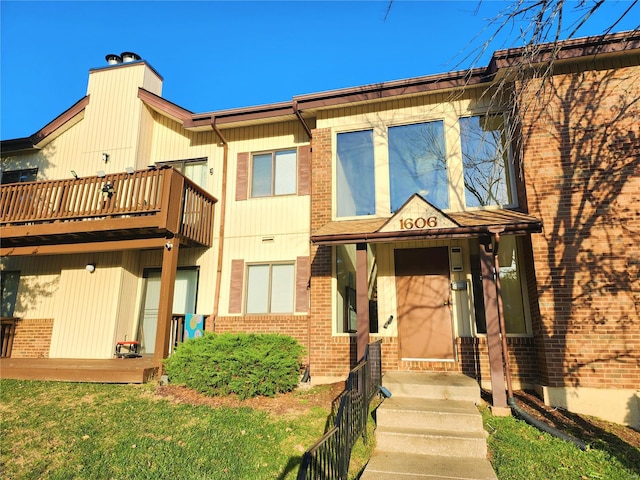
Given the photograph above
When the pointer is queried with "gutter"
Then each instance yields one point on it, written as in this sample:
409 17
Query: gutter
374 237
223 205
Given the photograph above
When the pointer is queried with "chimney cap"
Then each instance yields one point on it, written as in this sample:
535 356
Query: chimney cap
129 57
113 59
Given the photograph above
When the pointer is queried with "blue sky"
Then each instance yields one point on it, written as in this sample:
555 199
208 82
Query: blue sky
218 55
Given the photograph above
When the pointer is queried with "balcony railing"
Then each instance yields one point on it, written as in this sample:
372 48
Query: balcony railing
159 200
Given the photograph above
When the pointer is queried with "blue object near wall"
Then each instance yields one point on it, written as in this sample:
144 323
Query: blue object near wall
193 325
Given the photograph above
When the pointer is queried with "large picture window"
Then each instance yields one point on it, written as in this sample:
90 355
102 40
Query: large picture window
274 173
355 176
270 288
418 164
487 179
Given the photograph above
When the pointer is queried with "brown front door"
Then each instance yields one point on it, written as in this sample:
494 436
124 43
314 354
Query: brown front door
423 294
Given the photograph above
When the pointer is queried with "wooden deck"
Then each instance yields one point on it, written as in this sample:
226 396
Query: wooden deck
119 370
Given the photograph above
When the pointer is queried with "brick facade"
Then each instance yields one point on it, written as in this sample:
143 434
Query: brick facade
32 338
582 170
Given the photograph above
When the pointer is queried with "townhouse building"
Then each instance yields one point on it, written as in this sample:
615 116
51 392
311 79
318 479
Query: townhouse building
482 221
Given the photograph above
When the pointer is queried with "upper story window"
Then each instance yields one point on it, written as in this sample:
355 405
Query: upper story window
270 288
18 176
485 159
418 164
355 176
194 169
274 173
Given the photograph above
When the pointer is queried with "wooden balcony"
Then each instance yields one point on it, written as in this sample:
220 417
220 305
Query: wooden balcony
143 208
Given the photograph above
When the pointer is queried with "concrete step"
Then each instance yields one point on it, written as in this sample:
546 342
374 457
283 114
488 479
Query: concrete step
399 466
425 441
408 412
445 386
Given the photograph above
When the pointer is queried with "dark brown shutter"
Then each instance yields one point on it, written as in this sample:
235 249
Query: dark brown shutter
242 176
304 170
235 290
302 284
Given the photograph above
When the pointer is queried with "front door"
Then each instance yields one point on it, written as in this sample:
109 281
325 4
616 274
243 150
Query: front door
423 296
184 301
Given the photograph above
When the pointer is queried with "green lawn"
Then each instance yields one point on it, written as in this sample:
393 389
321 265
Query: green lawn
91 431
520 451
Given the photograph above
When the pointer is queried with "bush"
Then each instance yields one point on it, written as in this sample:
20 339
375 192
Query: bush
248 365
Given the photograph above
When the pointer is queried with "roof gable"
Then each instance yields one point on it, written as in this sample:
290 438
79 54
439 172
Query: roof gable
417 214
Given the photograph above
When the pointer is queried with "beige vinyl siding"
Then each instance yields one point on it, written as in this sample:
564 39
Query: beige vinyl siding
266 229
113 102
85 307
56 159
39 283
128 305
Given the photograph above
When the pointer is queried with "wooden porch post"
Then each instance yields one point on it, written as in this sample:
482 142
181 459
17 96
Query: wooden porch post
167 284
494 341
362 299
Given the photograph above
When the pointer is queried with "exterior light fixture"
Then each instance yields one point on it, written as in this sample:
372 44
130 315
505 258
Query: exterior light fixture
91 267
105 157
101 173
129 170
74 174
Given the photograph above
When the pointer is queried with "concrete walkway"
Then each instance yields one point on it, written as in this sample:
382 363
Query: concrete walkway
430 428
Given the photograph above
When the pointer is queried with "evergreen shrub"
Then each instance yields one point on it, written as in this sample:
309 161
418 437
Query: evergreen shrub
246 364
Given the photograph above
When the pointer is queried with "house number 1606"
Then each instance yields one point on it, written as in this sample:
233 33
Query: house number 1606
420 222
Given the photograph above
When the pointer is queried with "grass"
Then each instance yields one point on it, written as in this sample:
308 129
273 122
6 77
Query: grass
91 431
520 451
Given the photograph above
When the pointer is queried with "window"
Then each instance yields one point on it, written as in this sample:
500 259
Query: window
270 288
346 299
9 290
19 176
418 164
274 173
512 285
194 169
346 295
355 174
487 178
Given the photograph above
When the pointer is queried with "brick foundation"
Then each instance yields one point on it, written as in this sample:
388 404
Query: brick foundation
32 338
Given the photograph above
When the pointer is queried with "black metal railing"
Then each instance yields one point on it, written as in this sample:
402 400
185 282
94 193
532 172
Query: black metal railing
329 458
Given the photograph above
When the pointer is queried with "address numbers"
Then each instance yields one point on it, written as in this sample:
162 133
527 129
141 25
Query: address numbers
418 223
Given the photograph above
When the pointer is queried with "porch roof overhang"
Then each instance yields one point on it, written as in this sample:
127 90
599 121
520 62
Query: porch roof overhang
465 225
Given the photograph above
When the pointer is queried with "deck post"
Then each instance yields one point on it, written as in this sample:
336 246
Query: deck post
362 300
494 342
167 286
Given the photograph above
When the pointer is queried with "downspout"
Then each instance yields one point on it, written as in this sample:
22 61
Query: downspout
223 207
511 401
301 119
306 377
